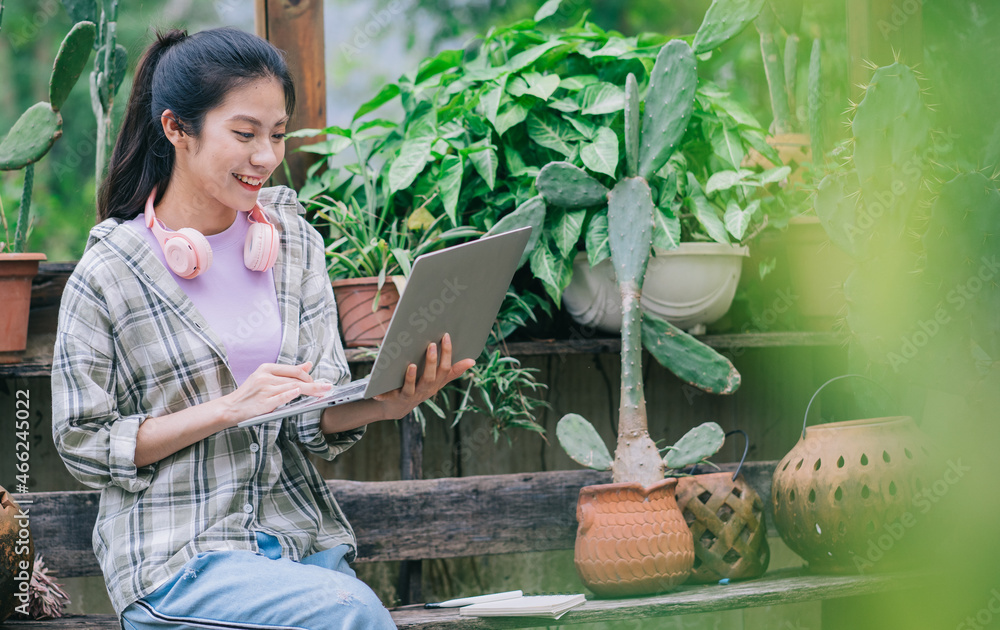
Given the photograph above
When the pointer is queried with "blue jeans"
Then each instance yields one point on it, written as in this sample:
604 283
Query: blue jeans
243 589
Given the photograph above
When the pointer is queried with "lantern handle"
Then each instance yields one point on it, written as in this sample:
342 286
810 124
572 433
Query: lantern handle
805 420
746 449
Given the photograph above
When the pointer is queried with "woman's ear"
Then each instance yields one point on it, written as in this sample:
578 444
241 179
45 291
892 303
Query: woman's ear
173 129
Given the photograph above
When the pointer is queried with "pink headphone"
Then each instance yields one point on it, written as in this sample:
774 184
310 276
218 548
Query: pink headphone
188 253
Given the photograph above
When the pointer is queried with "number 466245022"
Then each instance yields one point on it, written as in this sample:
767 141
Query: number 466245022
22 431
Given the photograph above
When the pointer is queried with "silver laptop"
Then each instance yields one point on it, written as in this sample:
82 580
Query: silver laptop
457 290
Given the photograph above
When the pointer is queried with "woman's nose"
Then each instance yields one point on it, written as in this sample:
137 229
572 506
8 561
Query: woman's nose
268 154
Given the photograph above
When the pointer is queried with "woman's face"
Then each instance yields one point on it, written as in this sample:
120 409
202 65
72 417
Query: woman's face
241 143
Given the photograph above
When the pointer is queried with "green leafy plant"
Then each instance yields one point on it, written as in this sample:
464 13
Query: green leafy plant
40 126
478 124
584 445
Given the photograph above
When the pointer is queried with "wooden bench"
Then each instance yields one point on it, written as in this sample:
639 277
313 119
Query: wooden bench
459 517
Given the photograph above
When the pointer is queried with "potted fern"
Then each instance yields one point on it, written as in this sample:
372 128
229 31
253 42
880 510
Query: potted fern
28 141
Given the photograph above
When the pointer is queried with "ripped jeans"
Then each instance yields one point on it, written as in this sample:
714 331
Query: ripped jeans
261 591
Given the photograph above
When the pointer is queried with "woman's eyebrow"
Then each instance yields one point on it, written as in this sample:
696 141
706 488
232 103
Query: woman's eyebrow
254 121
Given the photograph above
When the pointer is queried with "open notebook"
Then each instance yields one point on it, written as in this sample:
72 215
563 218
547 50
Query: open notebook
554 606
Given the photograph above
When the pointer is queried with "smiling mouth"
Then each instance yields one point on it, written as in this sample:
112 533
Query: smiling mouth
249 181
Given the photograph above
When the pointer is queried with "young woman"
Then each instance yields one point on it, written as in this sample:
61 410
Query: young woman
202 300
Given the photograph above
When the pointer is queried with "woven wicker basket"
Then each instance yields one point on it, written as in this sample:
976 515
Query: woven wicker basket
726 518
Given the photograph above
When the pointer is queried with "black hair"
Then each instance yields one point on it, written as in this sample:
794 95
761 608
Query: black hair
189 75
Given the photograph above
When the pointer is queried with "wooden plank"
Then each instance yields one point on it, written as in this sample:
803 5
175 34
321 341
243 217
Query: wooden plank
39 362
411 466
393 520
780 588
297 28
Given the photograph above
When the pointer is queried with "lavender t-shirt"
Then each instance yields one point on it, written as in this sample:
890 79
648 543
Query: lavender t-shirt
240 305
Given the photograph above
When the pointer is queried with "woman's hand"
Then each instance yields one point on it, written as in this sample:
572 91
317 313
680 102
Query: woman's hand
270 386
402 401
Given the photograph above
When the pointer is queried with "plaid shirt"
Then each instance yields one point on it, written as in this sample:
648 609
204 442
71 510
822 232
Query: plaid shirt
131 345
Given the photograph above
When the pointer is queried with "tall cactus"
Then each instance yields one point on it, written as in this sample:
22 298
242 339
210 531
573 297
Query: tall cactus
40 126
106 78
650 140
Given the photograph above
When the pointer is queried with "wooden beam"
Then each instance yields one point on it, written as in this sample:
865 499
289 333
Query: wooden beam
296 27
878 31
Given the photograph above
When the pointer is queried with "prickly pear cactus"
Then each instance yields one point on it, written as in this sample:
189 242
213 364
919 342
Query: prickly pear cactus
71 59
632 125
582 443
630 235
695 446
669 103
568 186
816 132
31 137
690 360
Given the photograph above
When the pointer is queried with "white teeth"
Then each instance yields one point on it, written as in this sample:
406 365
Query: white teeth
248 180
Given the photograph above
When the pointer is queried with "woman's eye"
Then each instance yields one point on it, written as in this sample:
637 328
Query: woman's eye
278 136
244 134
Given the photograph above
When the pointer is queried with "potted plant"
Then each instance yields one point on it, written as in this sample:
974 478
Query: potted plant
28 141
638 469
724 513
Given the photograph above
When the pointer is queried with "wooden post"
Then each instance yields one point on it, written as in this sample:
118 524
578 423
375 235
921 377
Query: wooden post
411 464
296 27
879 29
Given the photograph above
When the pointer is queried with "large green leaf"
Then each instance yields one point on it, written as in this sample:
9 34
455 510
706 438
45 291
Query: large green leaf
598 247
413 157
552 133
386 94
738 219
531 214
490 100
333 146
708 216
547 9
484 158
692 361
723 21
601 155
541 85
725 180
601 98
666 230
726 144
514 114
450 184
554 271
566 231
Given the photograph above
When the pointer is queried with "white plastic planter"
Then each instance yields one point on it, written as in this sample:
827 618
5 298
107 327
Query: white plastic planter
691 286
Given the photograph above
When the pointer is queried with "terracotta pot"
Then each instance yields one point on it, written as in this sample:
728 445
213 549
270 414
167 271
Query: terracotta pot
845 486
726 518
16 273
632 540
359 325
11 542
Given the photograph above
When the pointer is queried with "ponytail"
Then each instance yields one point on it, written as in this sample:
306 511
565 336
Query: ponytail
189 76
143 158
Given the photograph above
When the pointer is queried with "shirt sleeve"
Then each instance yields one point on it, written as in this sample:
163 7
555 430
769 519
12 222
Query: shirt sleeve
322 346
95 441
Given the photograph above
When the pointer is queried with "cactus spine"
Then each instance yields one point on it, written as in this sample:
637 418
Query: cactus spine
40 125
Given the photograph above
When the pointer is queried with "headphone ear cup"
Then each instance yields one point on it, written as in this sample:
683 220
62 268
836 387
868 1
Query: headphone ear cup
198 258
261 247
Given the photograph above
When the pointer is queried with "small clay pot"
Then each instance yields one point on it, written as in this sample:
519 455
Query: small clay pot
726 518
632 540
16 273
15 549
360 327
